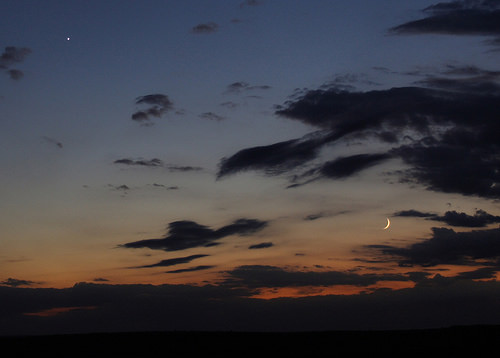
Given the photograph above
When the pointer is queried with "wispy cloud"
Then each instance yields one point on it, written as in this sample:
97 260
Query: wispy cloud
53 141
191 269
156 106
241 86
155 162
211 116
14 282
205 28
174 261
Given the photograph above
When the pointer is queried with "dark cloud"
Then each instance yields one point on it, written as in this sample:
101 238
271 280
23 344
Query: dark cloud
258 276
174 261
211 116
155 162
241 86
185 234
447 246
273 159
339 168
157 106
467 79
460 163
206 28
348 166
457 18
480 274
480 218
12 55
413 213
446 135
14 282
263 245
191 269
183 168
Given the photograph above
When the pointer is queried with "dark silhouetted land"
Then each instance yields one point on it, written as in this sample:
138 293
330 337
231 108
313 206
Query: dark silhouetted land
251 344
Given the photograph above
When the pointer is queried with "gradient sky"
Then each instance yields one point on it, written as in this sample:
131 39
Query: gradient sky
223 151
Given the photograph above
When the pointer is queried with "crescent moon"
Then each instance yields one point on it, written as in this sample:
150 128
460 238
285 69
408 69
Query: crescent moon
388 224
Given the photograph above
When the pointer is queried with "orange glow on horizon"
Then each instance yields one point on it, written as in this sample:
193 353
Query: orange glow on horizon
58 310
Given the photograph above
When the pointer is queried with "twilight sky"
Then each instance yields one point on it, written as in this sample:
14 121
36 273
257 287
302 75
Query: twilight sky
206 164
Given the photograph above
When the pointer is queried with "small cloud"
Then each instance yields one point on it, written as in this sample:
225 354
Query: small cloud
211 116
413 213
121 188
158 104
155 162
229 104
174 261
14 282
15 74
241 86
100 279
13 55
263 245
206 28
183 168
53 141
156 185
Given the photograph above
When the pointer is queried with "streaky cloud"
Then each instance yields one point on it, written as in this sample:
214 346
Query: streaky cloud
155 162
263 245
14 282
205 28
174 261
191 269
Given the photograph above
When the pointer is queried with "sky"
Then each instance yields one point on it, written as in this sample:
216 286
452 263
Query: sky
258 165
